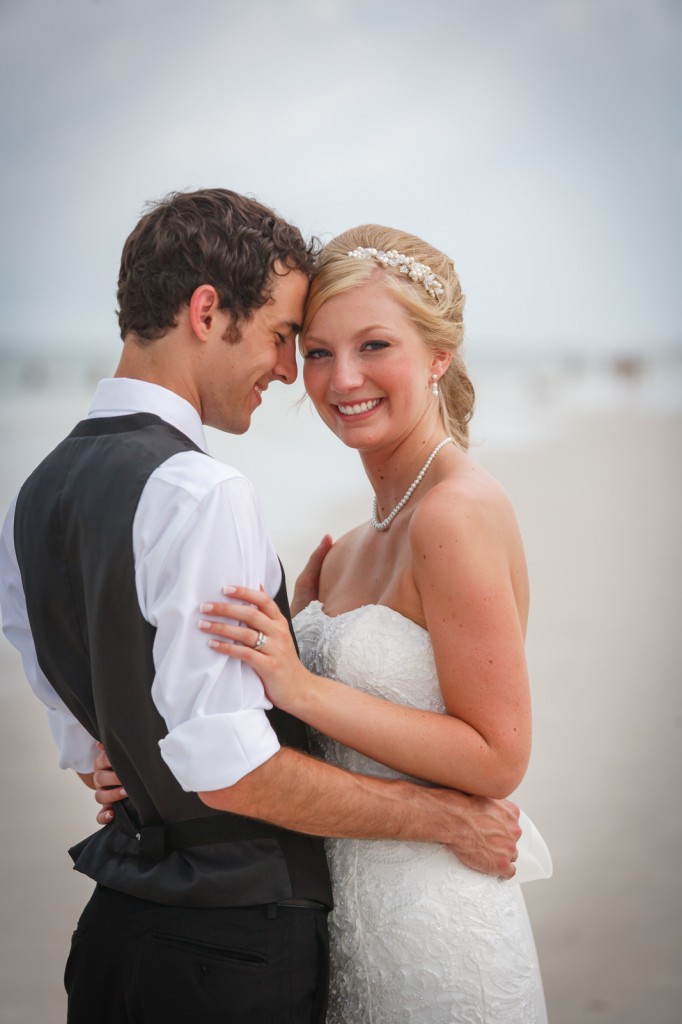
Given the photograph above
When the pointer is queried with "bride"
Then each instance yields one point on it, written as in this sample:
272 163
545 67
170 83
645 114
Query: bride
413 656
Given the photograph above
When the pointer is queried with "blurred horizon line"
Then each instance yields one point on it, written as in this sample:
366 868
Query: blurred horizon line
475 348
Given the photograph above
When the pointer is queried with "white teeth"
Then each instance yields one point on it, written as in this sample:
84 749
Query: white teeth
354 410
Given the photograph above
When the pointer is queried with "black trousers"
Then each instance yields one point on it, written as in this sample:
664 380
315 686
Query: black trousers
137 962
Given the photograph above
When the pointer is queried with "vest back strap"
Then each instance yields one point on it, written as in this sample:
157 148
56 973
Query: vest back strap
157 841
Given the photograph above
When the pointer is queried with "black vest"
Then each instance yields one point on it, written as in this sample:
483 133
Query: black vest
73 539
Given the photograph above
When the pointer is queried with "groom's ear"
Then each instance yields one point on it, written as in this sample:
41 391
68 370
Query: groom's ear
203 306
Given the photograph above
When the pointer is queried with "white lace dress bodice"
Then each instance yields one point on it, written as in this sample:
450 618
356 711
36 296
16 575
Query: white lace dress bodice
416 937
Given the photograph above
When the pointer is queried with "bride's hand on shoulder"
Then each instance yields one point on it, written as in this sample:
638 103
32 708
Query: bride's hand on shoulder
258 634
307 587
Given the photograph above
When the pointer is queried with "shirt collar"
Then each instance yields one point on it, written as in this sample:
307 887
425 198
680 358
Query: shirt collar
122 396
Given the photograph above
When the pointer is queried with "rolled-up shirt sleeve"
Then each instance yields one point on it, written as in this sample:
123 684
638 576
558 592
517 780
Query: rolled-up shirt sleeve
194 532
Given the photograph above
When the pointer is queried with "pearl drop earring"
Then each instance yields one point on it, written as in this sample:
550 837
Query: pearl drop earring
434 385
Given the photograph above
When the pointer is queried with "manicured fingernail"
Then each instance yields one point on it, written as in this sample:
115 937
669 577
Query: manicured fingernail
206 608
108 815
229 590
123 792
214 643
203 624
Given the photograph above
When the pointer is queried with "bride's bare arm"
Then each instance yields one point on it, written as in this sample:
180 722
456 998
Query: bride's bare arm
469 570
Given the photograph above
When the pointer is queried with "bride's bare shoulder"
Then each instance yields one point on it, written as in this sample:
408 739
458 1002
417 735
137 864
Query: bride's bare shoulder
465 499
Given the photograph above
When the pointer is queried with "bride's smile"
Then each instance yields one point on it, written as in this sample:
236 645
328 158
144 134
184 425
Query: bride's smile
358 408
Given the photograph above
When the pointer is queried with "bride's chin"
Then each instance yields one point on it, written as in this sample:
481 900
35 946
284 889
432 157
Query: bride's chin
357 444
340 429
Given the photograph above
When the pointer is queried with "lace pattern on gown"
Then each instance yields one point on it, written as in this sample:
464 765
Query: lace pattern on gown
416 937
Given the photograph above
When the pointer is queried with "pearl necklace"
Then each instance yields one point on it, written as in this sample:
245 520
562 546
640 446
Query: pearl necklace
385 523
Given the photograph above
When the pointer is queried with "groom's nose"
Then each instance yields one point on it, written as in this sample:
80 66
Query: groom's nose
286 369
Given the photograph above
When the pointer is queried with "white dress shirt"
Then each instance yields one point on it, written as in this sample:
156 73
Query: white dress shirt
198 527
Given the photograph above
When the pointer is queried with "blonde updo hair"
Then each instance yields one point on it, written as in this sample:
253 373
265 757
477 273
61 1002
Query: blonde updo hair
438 320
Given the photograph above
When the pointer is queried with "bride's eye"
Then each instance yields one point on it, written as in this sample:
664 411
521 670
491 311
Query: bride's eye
315 353
375 346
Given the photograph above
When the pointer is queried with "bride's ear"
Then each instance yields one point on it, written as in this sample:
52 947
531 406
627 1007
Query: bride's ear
440 362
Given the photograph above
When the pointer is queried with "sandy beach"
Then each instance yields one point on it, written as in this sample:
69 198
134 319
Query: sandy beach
599 501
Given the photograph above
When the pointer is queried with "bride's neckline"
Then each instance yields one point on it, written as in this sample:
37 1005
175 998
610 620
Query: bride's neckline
366 607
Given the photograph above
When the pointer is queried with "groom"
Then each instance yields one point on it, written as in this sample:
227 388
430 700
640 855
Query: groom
198 914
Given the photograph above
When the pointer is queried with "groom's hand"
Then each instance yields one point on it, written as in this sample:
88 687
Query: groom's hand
487 837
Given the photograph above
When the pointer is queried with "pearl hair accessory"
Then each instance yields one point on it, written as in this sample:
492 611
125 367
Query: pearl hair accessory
434 385
385 523
419 272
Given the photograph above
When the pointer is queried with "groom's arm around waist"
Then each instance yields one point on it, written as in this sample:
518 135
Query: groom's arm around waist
302 793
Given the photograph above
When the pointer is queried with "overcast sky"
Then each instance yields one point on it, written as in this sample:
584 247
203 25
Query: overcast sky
536 141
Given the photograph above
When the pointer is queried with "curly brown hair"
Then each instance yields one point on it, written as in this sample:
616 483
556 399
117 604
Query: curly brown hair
212 236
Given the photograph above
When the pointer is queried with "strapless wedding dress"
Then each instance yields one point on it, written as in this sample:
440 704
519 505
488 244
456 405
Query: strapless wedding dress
416 937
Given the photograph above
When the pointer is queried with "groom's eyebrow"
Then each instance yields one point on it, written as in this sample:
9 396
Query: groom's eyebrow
292 325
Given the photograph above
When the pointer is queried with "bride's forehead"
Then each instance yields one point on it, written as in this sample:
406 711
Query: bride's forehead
368 302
